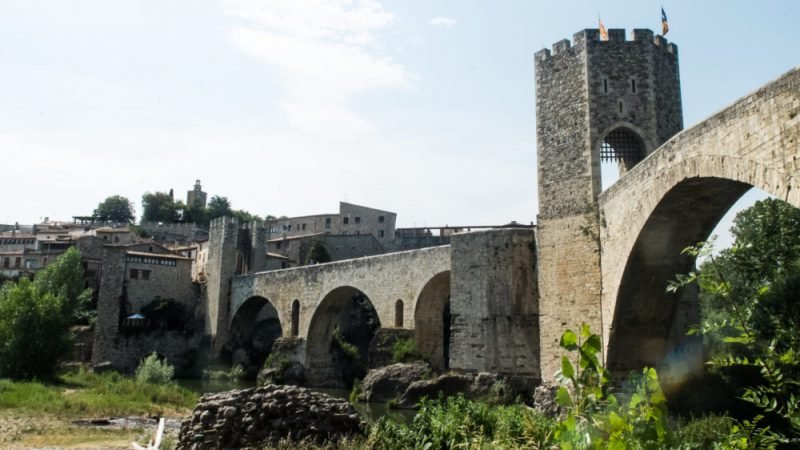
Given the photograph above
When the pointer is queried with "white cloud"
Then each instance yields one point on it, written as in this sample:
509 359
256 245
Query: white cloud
448 22
326 51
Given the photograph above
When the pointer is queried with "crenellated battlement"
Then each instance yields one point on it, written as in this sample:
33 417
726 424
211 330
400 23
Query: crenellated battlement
615 35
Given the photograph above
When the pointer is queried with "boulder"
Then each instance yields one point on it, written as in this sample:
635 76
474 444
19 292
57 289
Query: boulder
390 382
260 417
544 400
446 385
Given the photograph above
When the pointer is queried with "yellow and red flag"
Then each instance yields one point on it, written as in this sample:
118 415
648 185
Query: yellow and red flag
603 31
664 23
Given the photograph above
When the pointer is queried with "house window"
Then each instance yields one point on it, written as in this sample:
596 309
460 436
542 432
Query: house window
6 262
17 262
145 274
380 219
304 227
380 233
358 220
134 274
327 223
346 220
278 245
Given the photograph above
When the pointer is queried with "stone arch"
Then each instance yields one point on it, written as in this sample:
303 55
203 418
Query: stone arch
351 311
432 321
254 328
398 313
675 198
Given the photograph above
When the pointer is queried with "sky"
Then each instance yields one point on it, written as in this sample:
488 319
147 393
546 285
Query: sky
286 107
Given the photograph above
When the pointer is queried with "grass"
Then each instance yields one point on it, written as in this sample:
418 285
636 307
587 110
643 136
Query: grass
83 394
35 414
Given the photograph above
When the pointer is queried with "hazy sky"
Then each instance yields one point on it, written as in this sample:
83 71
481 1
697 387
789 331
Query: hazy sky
425 108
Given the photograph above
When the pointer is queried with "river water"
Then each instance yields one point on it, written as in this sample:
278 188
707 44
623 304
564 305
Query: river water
369 411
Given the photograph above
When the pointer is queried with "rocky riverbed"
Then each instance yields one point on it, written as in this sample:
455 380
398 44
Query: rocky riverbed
265 415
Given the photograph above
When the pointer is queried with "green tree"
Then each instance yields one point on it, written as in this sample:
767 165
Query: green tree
34 331
115 209
161 207
35 317
218 207
318 254
64 279
245 216
750 305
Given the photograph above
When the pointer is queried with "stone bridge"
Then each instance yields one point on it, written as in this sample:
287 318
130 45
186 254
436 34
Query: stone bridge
407 289
674 198
604 258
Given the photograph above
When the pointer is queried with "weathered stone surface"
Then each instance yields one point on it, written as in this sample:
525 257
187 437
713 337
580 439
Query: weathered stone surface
446 385
256 417
390 382
380 349
544 400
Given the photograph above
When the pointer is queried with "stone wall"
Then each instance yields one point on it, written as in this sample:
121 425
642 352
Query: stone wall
494 303
221 266
125 343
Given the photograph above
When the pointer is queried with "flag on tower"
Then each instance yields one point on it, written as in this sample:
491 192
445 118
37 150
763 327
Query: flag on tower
664 23
603 31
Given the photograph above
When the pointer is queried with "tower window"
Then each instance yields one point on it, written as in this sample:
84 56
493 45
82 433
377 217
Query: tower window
633 86
605 85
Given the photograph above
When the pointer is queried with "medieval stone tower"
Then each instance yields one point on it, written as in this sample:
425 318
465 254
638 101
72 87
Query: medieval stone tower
615 100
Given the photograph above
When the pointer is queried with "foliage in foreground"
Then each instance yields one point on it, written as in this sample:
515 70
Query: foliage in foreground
155 371
753 333
84 394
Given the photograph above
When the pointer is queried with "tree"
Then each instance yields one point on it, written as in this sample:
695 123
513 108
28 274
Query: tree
245 216
115 209
750 306
64 278
318 254
161 207
219 207
35 317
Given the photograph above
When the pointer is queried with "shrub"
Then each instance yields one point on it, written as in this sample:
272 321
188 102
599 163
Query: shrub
405 350
154 371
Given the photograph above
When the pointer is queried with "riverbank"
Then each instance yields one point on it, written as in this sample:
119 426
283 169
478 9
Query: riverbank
63 413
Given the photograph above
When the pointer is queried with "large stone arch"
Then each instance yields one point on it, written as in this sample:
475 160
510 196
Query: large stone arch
254 328
321 358
673 199
431 320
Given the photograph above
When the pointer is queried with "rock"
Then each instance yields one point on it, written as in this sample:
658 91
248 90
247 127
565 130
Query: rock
544 400
102 367
390 382
260 417
447 384
295 374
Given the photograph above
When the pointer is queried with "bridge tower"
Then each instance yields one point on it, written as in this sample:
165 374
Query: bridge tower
614 100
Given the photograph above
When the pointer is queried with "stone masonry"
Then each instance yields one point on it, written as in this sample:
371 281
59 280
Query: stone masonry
584 91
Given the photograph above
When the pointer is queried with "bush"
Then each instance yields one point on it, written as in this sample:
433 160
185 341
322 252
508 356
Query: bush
405 350
460 423
154 371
